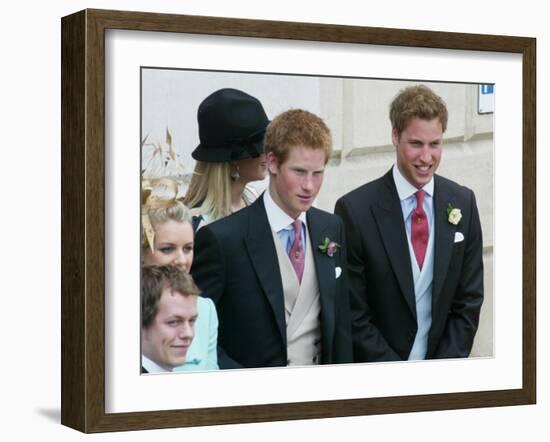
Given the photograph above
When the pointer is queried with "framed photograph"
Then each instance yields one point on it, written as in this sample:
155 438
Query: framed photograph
130 79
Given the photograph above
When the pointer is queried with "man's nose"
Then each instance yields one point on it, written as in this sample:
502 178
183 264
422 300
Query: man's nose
425 154
187 330
307 183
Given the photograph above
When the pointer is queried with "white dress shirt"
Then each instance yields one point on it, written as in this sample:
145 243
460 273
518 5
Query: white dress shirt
281 222
422 278
152 367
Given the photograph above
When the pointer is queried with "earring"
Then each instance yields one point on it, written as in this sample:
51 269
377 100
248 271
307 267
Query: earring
235 175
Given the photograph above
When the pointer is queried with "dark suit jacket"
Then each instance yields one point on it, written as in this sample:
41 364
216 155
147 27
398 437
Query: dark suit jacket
236 265
380 274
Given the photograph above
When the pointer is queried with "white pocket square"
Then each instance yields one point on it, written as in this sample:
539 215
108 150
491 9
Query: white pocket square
338 271
459 237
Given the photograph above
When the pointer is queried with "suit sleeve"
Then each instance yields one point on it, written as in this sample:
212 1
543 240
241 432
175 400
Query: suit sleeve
208 271
368 343
343 349
460 329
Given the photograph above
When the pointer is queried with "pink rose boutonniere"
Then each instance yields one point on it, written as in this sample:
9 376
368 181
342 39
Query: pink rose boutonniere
329 247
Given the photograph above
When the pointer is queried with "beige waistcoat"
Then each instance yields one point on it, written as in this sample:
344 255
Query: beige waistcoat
302 307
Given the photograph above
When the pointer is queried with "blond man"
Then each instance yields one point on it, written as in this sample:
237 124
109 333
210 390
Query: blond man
415 247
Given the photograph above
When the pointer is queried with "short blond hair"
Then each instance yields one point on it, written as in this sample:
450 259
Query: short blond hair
420 102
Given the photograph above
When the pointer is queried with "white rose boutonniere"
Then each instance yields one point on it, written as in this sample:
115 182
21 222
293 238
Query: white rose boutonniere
455 215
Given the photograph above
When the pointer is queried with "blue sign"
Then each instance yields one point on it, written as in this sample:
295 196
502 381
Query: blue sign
487 89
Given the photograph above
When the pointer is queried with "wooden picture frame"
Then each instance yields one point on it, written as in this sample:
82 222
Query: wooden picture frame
83 219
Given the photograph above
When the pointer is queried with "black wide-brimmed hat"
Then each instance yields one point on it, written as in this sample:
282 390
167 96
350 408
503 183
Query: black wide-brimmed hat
231 127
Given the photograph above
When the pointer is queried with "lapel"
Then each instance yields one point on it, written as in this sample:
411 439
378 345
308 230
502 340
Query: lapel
444 235
389 219
324 266
263 256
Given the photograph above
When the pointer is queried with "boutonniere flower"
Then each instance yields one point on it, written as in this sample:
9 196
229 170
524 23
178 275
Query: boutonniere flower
329 247
454 215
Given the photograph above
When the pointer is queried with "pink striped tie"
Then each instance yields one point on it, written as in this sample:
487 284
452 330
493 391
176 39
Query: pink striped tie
297 251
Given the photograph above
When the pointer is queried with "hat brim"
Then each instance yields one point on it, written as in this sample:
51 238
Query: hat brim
226 153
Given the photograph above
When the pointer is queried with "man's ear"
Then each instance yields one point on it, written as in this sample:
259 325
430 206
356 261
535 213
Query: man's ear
394 137
272 163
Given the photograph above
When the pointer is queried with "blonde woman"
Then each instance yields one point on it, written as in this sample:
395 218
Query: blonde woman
230 155
168 239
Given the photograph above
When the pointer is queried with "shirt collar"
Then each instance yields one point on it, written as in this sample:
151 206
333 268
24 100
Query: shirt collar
277 217
152 367
405 189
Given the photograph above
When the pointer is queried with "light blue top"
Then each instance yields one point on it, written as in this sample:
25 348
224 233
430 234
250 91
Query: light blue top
422 278
202 355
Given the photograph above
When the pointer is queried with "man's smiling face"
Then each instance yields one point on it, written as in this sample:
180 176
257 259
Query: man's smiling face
418 150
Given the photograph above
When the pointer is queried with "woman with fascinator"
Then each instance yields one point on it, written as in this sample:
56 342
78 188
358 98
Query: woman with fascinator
230 155
167 238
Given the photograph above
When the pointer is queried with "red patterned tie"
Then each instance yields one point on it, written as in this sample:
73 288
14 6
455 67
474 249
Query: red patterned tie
297 251
419 229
